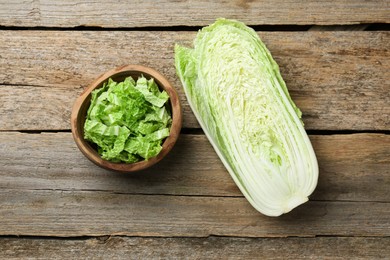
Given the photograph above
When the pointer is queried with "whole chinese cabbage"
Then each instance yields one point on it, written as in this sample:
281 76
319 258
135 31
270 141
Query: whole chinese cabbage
236 92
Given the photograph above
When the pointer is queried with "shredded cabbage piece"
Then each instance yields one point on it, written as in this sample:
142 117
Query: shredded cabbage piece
128 120
242 103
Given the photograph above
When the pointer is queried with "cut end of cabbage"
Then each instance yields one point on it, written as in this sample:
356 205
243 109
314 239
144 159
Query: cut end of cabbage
294 202
236 91
284 207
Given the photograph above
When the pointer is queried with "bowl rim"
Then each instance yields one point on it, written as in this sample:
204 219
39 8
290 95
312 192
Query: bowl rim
91 153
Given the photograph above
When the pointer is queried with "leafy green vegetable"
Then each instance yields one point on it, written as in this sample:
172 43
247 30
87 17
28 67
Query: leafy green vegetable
236 92
128 120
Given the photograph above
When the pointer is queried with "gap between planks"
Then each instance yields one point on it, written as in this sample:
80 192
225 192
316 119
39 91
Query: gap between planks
259 28
182 195
199 131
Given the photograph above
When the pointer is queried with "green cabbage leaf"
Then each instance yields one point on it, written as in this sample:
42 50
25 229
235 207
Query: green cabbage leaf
239 98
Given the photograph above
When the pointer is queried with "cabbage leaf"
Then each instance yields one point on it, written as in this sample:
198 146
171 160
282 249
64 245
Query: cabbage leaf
236 91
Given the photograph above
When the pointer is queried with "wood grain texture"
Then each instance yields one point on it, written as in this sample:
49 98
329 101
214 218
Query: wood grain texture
350 167
197 248
189 13
187 206
338 79
95 213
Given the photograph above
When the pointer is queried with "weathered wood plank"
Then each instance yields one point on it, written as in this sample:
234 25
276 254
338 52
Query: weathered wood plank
197 248
338 79
94 213
352 168
189 13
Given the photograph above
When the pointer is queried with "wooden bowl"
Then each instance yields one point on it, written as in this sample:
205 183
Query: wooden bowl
82 104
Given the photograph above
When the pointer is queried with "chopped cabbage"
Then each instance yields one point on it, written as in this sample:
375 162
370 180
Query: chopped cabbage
128 120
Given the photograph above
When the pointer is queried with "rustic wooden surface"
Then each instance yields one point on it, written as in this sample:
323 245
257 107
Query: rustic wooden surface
189 13
54 203
191 169
349 67
198 248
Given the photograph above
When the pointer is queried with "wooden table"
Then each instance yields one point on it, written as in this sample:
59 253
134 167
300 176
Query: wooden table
54 203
